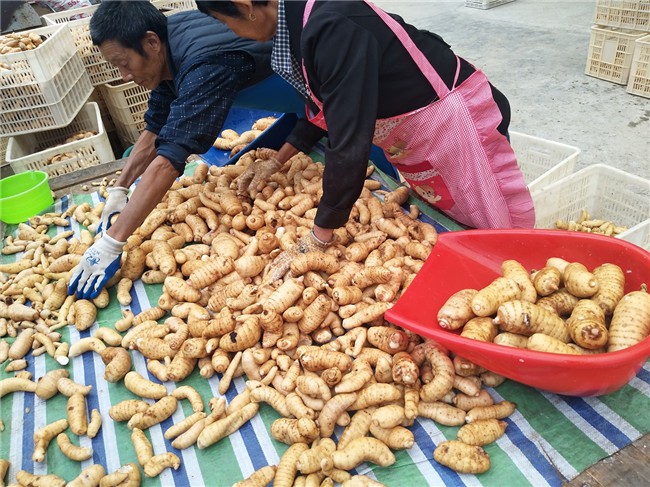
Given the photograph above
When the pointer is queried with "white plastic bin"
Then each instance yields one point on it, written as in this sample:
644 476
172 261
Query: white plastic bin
543 161
35 151
606 193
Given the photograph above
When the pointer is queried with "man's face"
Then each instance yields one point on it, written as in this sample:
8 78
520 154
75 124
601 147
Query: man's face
147 70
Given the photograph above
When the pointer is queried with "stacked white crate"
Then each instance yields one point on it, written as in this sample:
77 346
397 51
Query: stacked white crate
122 104
619 26
42 88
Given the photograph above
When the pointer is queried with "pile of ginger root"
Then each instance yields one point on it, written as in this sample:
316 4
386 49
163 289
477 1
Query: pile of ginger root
314 346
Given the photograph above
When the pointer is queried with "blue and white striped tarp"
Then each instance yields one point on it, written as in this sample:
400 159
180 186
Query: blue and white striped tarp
549 439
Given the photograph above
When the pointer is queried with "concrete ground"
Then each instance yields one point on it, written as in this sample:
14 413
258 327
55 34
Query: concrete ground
535 52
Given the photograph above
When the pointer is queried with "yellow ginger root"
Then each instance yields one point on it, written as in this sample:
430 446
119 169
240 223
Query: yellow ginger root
160 462
332 410
125 410
518 273
396 438
511 340
22 344
527 318
461 457
88 344
26 478
444 374
389 339
142 446
631 321
72 451
260 478
466 402
118 363
68 387
587 326
360 374
480 328
44 435
85 313
366 315
579 281
143 387
290 431
315 314
500 410
94 424
46 385
314 261
246 334
611 287
180 290
227 425
180 428
547 280
457 310
375 395
361 450
156 413
77 414
89 477
405 371
191 394
487 300
316 359
288 466
442 413
309 461
267 394
482 432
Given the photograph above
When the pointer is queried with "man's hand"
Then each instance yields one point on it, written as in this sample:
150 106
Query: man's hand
98 264
115 203
281 264
252 180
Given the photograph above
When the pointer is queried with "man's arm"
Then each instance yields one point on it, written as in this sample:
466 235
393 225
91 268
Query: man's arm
155 182
143 152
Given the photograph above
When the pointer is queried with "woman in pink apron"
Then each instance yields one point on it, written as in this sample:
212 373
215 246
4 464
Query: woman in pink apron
373 78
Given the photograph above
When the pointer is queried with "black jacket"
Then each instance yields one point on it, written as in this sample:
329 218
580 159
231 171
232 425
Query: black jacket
361 72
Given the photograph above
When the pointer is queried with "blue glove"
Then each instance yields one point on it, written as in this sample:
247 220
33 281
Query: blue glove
115 203
98 264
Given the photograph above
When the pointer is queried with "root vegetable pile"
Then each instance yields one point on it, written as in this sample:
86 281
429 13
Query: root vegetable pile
572 310
314 346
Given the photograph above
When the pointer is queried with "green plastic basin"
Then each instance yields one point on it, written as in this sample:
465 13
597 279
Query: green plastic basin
24 195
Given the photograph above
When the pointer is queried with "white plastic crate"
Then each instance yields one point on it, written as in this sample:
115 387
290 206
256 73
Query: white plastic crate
628 14
639 81
128 133
610 53
33 151
606 193
98 98
42 93
40 64
169 7
485 4
3 150
78 21
49 116
542 161
127 102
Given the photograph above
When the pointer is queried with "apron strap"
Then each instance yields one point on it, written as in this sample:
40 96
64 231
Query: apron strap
420 59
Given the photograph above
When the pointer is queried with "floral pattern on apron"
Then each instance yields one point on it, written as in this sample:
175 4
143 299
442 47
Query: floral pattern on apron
450 151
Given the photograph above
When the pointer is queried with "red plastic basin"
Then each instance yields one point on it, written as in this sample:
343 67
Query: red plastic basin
472 259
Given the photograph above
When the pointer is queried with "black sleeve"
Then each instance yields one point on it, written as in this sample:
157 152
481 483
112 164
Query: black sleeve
305 135
347 83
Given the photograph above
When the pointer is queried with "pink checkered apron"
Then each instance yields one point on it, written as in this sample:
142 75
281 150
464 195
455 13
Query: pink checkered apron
450 151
